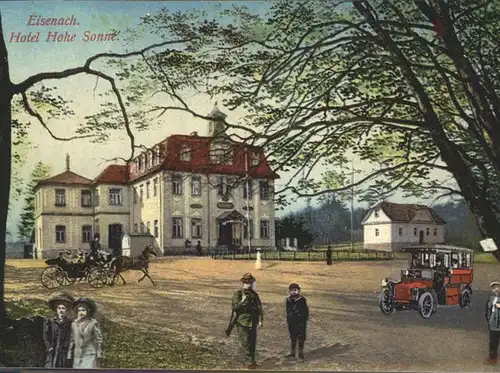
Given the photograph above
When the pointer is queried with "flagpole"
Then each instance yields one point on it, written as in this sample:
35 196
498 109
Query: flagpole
248 193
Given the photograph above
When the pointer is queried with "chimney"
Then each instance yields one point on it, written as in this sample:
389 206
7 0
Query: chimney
67 162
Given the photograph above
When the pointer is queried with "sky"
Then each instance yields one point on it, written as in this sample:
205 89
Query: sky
29 58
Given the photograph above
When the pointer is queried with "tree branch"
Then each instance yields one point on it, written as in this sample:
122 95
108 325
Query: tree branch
33 113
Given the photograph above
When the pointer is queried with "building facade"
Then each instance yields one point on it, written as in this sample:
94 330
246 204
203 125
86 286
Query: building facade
390 226
182 190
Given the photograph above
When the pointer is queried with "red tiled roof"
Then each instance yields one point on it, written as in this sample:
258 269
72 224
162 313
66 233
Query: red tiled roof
67 177
113 174
171 148
406 212
200 158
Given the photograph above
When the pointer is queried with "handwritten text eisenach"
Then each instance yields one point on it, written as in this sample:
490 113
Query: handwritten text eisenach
52 36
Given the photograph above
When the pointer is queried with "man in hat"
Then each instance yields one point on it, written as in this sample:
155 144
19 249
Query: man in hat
86 336
247 309
57 331
297 314
493 318
95 246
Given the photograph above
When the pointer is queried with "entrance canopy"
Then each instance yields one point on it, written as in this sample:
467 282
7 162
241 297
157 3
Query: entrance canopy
231 216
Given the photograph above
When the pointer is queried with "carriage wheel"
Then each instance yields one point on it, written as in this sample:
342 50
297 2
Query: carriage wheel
112 279
97 278
64 280
51 276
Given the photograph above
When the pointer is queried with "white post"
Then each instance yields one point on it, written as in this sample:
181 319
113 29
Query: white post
247 202
287 242
352 205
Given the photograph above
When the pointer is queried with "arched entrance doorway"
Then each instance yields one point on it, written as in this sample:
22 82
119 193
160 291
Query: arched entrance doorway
230 228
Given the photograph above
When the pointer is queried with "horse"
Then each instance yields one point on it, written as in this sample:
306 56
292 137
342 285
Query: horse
124 263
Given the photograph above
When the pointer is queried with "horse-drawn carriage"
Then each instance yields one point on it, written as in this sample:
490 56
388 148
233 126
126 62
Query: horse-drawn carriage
61 271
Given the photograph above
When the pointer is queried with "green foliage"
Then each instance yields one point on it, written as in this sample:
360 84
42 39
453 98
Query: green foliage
294 226
26 224
318 86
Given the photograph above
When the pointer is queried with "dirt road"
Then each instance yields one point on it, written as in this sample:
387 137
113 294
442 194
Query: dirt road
347 331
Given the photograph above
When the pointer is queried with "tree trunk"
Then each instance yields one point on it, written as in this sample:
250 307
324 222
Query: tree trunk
5 161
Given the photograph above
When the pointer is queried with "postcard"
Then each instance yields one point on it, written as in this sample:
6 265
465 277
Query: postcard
232 185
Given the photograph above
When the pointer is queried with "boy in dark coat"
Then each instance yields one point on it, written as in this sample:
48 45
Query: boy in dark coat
297 314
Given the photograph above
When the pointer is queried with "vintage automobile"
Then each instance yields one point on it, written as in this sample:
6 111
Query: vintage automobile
437 275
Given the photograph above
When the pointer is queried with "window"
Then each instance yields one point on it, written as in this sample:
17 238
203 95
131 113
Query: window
148 225
414 231
142 227
216 153
264 189
115 196
146 160
377 214
135 195
86 233
255 159
195 228
86 198
60 197
147 189
153 158
196 186
435 231
136 227
427 231
141 195
400 231
177 185
221 185
264 229
248 186
176 227
140 164
377 232
156 229
185 154
155 186
245 232
60 233
96 198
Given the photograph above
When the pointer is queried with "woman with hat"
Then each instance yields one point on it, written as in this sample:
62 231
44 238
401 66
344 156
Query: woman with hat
86 337
57 331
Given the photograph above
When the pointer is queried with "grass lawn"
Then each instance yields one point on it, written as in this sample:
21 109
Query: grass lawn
130 347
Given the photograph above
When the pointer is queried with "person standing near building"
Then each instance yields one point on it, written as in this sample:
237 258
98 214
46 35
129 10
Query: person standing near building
198 248
297 315
329 256
247 315
258 260
492 314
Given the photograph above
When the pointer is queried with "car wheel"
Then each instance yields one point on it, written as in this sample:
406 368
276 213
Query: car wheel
426 305
465 298
386 305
